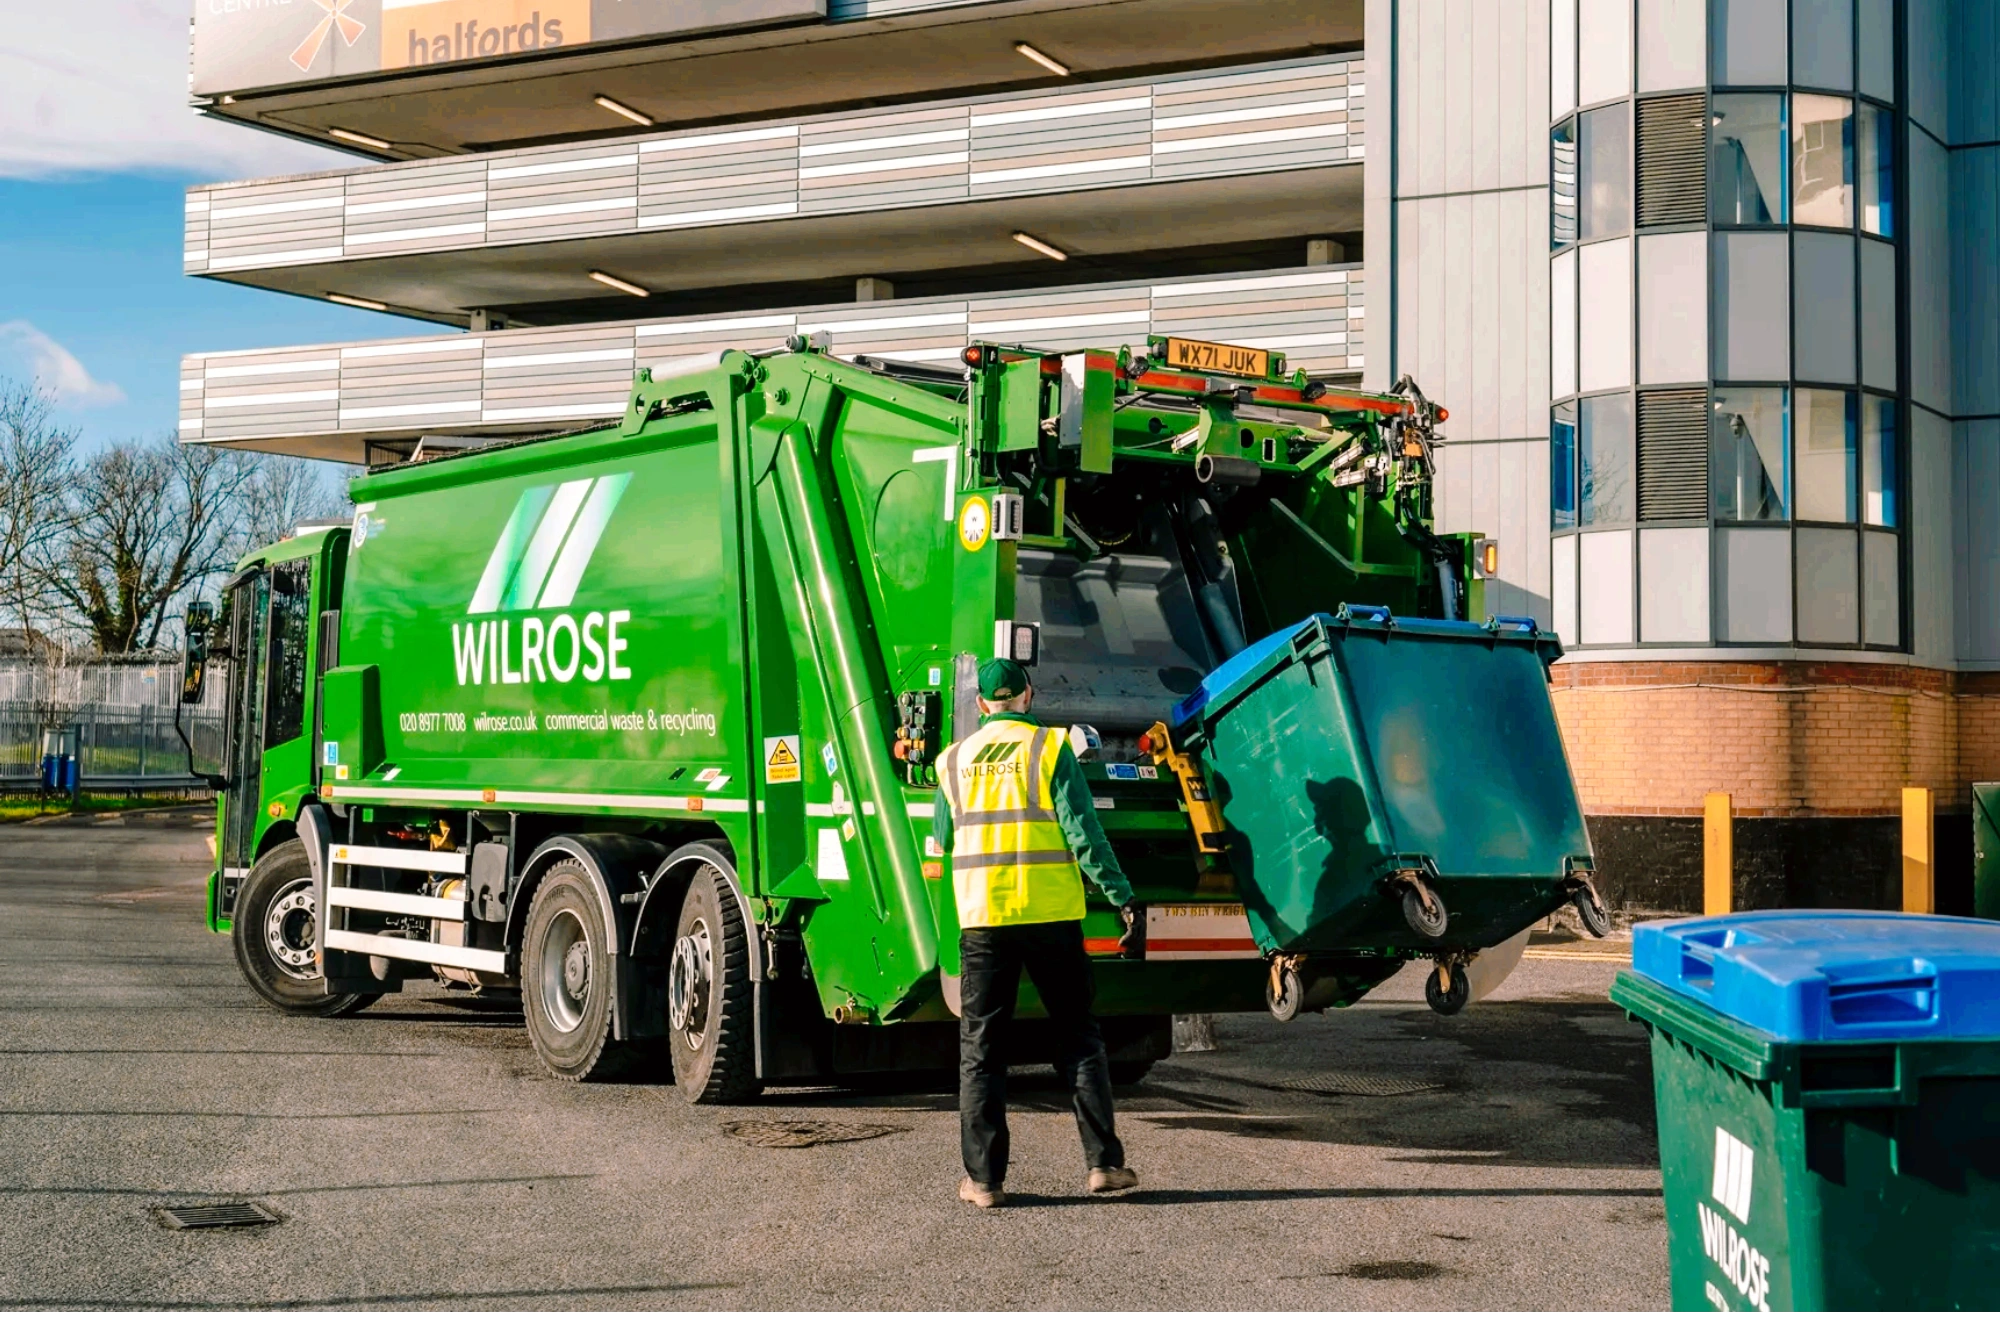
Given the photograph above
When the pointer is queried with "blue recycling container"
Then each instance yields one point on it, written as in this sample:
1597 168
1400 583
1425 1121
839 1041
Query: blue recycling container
1828 1089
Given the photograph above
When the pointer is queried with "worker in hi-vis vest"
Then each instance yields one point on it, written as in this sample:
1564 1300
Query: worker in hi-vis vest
1021 830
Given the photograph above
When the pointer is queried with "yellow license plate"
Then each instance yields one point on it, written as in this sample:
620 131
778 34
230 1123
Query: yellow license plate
1247 362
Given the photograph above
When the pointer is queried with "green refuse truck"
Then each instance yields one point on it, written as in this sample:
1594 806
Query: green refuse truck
642 721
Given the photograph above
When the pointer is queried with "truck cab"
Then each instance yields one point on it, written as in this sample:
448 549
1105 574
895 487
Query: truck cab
264 652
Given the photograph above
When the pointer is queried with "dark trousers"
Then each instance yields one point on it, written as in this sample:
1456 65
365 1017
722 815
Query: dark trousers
991 962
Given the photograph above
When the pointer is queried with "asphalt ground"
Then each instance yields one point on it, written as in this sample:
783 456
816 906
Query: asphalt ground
418 1157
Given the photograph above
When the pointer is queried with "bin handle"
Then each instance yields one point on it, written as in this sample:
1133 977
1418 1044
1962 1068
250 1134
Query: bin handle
1526 624
1362 611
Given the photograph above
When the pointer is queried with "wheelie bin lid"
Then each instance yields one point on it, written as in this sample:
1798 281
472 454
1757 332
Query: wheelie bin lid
1833 976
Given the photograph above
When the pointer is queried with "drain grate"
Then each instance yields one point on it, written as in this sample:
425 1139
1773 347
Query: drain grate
805 1133
1393 1270
199 1216
1359 1085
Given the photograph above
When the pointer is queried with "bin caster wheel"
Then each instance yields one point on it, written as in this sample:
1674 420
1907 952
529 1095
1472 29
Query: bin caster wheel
1285 991
1440 999
1424 910
1590 909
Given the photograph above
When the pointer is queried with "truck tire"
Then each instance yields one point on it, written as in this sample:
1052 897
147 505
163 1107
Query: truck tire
708 995
273 935
567 972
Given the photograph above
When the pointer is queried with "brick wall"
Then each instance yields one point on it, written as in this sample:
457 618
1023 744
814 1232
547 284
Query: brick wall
1785 739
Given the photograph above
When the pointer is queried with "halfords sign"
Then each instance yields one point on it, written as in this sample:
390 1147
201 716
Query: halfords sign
243 44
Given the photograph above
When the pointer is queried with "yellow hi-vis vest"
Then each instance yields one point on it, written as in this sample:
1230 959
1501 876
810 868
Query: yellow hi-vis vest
1010 863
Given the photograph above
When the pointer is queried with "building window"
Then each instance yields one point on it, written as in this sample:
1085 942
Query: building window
1562 467
1823 428
1822 161
1562 185
1671 154
1878 315
1823 43
1750 274
1829 584
1823 307
1876 45
1604 156
1605 482
1880 462
1747 41
1747 470
1748 157
1875 169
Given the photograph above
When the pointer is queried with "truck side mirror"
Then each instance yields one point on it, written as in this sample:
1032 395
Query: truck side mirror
200 622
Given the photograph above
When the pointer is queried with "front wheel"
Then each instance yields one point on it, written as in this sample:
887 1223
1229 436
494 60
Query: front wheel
273 932
1425 911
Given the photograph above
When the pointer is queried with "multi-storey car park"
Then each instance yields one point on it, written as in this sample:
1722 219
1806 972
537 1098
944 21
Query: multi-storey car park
1708 285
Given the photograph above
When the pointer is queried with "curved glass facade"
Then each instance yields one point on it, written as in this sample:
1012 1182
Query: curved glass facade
1728 368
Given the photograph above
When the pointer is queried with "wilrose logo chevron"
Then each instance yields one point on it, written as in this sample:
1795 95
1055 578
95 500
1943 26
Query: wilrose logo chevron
546 545
1746 1267
535 565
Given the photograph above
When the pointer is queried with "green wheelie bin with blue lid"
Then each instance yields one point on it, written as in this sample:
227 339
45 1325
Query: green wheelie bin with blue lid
1828 1088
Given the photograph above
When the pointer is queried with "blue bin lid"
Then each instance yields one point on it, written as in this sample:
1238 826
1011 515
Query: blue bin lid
1833 976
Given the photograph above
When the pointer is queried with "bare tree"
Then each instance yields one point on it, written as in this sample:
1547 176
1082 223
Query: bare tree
282 493
37 459
149 521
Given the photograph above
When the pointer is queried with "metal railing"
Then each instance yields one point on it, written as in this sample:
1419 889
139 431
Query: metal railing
116 717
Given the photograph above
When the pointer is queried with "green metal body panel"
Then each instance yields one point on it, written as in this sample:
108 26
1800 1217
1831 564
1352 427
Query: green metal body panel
286 775
696 623
1986 850
1356 747
1858 1176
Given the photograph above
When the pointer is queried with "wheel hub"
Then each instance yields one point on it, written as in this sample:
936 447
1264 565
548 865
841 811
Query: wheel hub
690 982
289 927
564 975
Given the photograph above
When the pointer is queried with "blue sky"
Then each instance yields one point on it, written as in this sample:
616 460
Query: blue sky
97 146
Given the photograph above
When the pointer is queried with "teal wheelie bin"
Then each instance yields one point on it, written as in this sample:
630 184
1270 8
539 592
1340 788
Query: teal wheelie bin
1392 789
1828 1087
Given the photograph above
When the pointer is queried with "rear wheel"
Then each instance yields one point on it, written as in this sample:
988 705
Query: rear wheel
708 995
273 932
567 979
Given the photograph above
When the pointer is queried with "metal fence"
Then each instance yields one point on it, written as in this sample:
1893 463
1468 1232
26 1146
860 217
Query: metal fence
116 717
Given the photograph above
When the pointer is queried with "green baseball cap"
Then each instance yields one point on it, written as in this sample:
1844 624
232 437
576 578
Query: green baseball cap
1001 680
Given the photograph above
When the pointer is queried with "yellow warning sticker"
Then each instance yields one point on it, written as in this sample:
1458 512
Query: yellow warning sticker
781 759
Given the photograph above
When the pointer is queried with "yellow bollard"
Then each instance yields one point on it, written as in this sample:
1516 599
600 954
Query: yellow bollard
1919 850
1718 861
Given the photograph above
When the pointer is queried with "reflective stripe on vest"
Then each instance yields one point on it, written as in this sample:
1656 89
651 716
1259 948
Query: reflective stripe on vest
1011 863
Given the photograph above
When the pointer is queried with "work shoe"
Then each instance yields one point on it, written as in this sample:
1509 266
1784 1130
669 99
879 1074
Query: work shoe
981 1196
1111 1179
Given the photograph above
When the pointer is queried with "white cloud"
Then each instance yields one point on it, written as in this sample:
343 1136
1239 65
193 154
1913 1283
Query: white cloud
54 367
102 85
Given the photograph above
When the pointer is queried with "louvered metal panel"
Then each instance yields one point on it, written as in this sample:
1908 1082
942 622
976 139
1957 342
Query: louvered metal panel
1066 142
1673 160
1673 455
556 374
728 176
1268 118
418 381
434 205
275 223
537 378
1257 121
556 192
884 161
194 234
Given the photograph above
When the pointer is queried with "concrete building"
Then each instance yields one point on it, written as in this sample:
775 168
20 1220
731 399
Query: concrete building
1708 285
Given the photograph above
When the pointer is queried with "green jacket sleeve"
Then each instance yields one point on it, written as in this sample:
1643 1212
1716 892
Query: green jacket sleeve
940 824
1078 816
